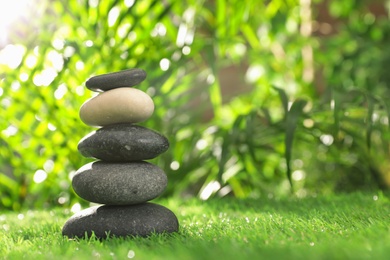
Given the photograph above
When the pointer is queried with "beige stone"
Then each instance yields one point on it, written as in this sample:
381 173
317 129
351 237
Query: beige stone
120 105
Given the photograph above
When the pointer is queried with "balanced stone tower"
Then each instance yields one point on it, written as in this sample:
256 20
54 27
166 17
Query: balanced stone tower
120 178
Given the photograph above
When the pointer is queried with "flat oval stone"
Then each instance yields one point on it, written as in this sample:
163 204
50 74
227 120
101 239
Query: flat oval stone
120 105
123 143
119 183
121 221
124 78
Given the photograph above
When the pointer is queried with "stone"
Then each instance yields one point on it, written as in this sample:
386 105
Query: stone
124 78
121 221
119 183
120 105
123 143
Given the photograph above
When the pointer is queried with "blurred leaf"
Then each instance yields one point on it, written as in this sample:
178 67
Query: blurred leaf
292 120
369 118
283 98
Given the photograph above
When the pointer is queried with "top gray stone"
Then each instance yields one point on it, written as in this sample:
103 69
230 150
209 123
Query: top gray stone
120 79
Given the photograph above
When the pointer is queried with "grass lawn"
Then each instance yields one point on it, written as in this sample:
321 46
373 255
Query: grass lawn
353 226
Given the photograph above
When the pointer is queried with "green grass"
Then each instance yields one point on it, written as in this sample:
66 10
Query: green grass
354 226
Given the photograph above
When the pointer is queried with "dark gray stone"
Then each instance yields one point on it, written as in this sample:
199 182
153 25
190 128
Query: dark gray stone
121 221
119 183
123 143
124 78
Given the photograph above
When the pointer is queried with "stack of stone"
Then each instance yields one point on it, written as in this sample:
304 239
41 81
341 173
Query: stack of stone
120 178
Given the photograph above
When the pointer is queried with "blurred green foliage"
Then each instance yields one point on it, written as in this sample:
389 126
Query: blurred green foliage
282 128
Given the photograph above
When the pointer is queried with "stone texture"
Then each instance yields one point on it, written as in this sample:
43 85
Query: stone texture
120 105
125 78
121 221
119 183
123 143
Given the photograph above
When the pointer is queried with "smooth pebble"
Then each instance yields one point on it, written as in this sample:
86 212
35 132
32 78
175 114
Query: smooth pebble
119 183
121 221
123 143
120 105
124 78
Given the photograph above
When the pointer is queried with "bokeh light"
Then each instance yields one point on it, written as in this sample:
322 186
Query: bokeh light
10 11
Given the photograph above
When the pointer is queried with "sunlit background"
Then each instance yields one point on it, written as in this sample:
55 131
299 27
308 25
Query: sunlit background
10 12
266 98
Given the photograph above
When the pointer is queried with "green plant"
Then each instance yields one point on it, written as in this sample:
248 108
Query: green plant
247 143
351 116
183 47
